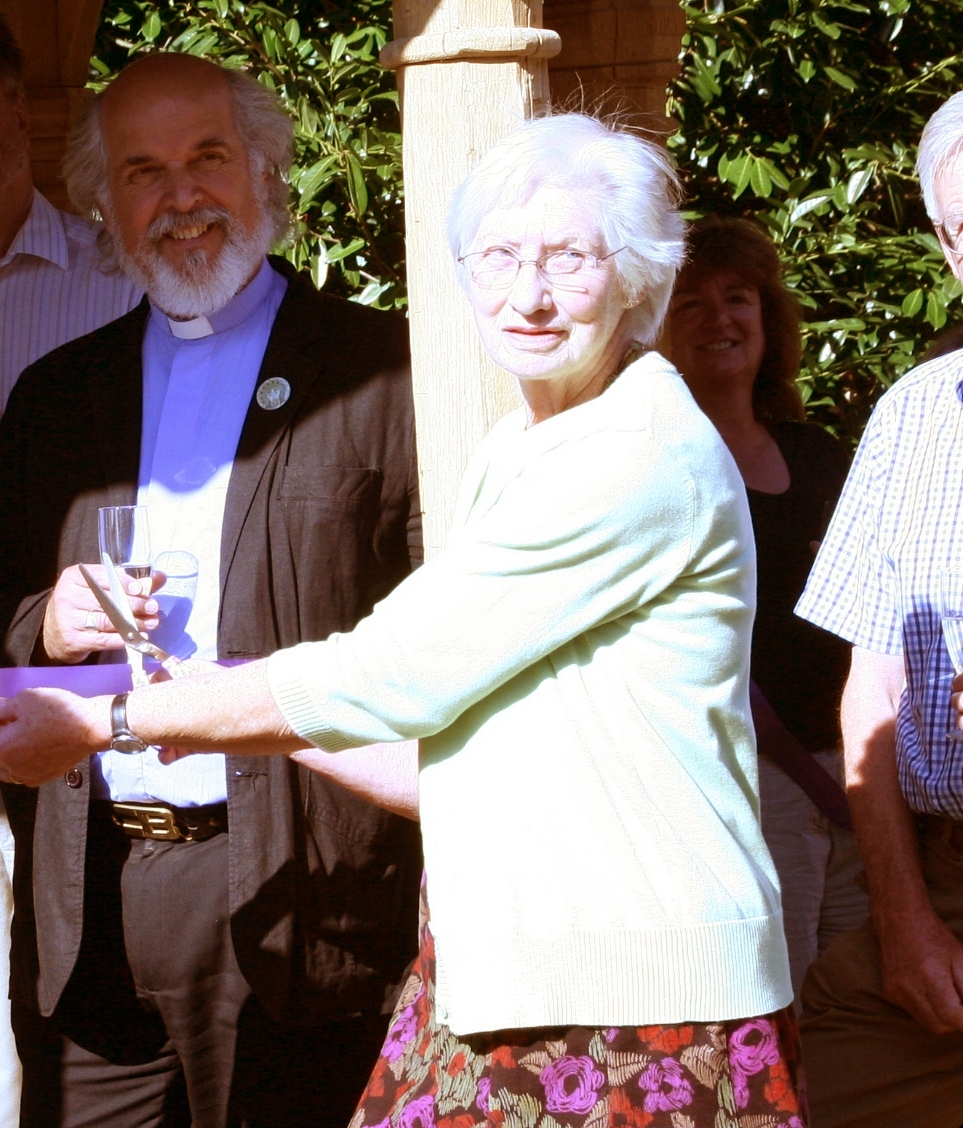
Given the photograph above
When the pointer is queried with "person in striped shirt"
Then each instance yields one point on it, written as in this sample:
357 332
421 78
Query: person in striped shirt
883 1020
55 283
52 289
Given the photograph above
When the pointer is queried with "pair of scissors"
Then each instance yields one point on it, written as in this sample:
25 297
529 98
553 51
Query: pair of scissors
124 623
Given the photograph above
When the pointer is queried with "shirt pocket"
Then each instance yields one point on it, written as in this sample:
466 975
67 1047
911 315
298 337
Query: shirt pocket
347 488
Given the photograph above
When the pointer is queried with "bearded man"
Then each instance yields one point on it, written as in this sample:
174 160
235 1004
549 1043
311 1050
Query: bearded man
223 949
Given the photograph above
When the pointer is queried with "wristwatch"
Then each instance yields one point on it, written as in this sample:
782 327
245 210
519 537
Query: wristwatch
121 738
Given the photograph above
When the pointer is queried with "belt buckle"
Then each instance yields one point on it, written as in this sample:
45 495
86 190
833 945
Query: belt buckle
140 821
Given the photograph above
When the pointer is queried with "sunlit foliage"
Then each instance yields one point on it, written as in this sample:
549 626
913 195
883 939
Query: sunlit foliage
322 59
806 115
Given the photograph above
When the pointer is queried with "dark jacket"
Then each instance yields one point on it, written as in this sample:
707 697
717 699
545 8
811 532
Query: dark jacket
321 521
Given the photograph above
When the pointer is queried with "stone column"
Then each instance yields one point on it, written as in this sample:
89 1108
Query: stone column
469 71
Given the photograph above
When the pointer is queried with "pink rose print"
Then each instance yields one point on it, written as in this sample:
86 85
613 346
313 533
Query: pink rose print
571 1085
667 1087
420 1111
752 1047
403 1029
484 1091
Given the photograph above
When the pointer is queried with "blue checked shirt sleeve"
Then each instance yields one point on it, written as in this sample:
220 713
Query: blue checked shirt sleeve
852 590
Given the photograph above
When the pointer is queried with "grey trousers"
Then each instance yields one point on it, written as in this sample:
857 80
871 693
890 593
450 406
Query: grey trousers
817 863
157 1027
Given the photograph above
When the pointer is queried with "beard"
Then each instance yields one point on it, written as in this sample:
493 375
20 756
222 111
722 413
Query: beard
203 282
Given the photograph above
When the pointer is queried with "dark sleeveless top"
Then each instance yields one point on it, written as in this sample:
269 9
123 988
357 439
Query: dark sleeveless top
799 667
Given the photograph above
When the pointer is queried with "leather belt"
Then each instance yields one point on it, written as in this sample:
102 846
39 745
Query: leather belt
167 823
945 829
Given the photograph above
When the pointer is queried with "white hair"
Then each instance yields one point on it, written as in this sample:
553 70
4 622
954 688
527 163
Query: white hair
941 142
199 285
631 183
267 132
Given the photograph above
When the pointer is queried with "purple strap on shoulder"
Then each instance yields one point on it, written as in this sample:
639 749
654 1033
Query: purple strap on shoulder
774 740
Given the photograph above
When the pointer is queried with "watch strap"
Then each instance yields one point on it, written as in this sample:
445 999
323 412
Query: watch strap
121 738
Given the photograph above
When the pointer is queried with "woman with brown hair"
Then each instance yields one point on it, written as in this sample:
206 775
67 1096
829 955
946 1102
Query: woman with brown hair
735 339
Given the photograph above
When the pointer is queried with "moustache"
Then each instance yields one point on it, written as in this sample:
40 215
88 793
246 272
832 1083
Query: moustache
179 221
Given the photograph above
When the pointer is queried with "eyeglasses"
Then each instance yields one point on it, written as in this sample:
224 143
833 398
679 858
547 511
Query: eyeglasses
498 267
950 232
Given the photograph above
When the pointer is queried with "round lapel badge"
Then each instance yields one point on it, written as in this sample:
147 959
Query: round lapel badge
274 393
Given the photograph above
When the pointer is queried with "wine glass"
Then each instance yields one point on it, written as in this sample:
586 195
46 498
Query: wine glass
175 601
125 538
951 620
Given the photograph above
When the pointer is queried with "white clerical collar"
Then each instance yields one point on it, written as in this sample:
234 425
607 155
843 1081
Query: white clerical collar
191 330
237 310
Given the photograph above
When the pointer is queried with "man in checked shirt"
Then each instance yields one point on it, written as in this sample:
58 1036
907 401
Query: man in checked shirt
883 1022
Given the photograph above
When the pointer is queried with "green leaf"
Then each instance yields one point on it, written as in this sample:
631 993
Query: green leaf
777 175
311 179
841 323
292 32
833 30
738 172
912 303
337 252
705 83
760 179
152 27
269 37
858 184
840 79
936 309
370 294
357 189
746 165
319 268
810 203
202 45
806 69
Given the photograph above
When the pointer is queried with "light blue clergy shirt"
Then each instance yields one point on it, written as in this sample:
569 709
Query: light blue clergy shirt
199 378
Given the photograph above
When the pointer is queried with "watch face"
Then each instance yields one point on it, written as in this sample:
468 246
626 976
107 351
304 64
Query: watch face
128 744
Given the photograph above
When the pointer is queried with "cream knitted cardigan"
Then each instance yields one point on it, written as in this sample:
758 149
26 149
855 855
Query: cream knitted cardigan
576 665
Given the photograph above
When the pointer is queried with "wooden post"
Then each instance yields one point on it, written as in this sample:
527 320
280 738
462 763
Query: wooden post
469 72
57 38
617 54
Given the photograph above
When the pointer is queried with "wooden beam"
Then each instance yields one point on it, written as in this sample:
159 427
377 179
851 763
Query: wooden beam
469 72
618 54
57 40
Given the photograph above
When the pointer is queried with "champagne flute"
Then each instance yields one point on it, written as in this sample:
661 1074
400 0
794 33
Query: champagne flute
951 620
125 538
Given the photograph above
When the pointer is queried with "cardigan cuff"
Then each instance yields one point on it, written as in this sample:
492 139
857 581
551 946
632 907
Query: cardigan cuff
298 706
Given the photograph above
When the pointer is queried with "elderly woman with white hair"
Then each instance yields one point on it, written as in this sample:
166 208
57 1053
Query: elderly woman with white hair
605 942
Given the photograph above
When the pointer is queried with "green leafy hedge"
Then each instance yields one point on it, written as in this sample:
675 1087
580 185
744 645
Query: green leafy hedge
802 113
322 59
806 114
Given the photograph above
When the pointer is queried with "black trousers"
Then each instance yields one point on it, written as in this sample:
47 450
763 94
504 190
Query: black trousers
157 1027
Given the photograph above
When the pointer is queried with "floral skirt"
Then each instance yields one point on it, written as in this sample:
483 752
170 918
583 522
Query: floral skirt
740 1074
